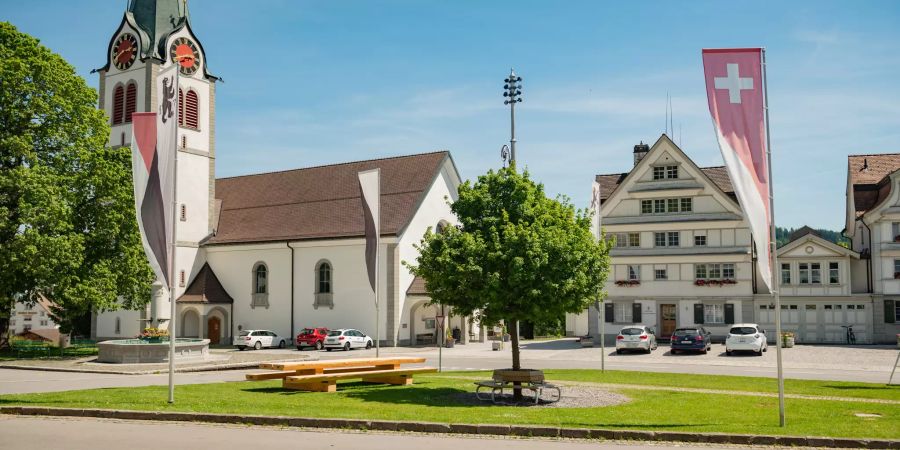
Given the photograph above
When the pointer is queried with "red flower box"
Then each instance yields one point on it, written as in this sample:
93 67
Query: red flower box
628 283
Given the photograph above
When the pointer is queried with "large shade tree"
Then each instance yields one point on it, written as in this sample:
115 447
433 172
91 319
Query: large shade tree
67 223
516 255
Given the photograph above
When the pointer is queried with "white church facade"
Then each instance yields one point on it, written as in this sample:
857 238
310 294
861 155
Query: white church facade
279 251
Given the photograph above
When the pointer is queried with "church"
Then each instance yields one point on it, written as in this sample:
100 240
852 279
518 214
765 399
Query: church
279 251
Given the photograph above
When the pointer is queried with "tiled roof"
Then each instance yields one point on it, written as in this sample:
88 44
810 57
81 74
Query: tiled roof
802 231
44 334
205 288
868 174
320 202
417 287
717 174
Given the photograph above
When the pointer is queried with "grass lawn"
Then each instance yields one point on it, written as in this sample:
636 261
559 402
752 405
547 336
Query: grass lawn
434 398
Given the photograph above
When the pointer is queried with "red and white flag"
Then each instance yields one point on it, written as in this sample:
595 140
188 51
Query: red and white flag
734 87
370 194
153 150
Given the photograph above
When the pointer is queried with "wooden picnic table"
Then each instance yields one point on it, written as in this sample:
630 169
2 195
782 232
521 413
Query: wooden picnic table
322 376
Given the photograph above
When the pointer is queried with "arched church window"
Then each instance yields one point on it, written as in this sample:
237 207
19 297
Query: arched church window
118 104
260 294
130 101
260 285
324 295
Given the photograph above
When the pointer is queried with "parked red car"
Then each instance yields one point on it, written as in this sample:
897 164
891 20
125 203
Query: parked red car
312 337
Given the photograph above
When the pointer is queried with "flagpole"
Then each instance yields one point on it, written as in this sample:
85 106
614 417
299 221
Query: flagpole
774 247
172 311
377 274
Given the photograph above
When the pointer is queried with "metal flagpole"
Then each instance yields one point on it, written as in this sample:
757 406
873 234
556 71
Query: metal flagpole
602 343
377 273
172 270
774 257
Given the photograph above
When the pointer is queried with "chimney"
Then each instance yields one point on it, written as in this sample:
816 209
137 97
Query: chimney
640 151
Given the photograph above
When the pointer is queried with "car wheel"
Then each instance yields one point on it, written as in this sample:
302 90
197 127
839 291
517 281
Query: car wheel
368 345
766 348
759 352
727 352
281 344
300 348
704 351
674 352
347 347
649 350
258 345
318 345
242 348
327 349
618 352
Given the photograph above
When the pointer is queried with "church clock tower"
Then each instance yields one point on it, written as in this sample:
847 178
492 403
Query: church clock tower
154 34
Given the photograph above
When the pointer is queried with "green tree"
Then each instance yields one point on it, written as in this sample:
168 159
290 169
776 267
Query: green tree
67 222
517 255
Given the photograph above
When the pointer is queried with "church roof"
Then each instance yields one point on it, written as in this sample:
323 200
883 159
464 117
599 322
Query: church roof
321 202
869 176
417 287
718 174
206 288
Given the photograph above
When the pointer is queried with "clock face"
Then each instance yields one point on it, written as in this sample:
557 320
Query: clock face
124 51
184 53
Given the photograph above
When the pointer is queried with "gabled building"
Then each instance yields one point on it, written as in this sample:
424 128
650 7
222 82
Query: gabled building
683 254
873 226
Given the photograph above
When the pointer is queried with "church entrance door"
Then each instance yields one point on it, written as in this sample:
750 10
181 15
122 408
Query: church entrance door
213 330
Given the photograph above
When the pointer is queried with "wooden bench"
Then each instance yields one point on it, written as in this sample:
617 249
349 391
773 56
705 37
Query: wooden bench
517 380
30 347
321 376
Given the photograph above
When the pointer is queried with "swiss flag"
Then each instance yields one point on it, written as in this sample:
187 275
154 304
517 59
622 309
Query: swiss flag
735 89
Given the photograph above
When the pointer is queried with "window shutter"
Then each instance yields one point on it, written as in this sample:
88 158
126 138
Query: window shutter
191 104
889 313
636 313
181 107
118 105
609 312
698 313
729 313
130 101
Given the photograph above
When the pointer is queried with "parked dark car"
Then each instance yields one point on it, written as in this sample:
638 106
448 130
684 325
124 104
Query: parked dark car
695 339
312 337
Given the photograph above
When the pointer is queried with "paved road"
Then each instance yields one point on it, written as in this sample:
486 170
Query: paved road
98 434
865 363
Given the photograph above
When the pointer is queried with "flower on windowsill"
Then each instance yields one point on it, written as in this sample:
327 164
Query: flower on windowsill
628 283
719 283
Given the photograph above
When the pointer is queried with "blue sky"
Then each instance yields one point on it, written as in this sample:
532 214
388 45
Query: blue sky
310 83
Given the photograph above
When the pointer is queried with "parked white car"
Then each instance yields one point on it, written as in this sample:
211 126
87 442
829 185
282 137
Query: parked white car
258 339
636 338
746 336
346 339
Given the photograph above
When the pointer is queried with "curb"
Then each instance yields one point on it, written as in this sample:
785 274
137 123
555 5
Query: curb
444 428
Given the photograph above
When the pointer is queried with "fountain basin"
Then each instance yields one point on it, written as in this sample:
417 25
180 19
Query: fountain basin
135 351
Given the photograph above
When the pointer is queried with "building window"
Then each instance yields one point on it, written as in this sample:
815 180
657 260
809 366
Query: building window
665 172
660 274
785 274
815 273
130 101
895 231
700 271
673 238
659 206
728 271
324 288
897 268
646 206
659 239
713 314
634 273
43 323
188 109
714 271
834 276
118 104
628 239
700 240
260 295
687 204
672 205
667 205
623 312
804 273
182 212
429 323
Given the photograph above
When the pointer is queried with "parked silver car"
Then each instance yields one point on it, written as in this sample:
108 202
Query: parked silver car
636 338
258 339
346 339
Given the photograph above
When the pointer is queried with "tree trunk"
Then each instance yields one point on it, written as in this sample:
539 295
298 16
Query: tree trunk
516 364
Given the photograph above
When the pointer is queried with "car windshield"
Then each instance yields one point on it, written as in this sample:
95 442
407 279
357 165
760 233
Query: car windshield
245 333
335 333
742 330
308 331
632 331
687 332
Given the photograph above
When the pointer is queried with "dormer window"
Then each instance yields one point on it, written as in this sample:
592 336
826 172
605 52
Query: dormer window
665 172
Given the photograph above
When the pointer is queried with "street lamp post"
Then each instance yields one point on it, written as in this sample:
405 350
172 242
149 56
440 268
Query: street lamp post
512 92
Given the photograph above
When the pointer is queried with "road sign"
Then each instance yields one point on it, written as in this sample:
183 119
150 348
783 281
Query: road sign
439 321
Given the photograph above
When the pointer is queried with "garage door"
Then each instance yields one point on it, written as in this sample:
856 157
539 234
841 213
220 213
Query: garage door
836 315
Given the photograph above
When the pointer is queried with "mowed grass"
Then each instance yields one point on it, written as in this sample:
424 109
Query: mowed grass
721 382
436 398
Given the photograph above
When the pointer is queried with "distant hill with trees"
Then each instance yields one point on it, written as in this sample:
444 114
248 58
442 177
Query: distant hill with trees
783 236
